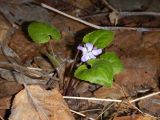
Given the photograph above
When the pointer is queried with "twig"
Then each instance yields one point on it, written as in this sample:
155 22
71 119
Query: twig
140 29
110 100
92 99
122 14
144 97
78 113
34 68
139 13
69 16
110 6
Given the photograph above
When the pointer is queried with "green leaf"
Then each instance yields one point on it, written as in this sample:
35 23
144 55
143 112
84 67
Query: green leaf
91 61
101 72
99 38
113 59
42 32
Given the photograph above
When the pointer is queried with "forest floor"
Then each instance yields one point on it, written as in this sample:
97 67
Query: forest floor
45 98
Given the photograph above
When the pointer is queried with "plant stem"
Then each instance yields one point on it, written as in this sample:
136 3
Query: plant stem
53 59
68 85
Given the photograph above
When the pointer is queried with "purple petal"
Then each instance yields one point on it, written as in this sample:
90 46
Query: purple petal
89 46
84 50
91 55
85 58
96 52
80 48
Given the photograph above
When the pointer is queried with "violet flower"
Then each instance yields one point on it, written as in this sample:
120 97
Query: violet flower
89 52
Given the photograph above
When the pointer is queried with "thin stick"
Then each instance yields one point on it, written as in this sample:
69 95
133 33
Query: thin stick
69 16
78 113
110 6
140 29
144 97
130 13
139 13
111 100
123 14
34 68
92 99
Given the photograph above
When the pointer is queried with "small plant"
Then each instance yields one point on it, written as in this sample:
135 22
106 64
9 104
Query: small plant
42 33
95 68
99 70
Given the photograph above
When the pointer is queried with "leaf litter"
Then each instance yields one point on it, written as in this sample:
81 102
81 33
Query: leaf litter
138 51
45 105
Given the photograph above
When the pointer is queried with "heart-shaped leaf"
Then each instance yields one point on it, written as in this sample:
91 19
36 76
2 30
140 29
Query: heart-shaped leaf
99 38
113 59
42 32
101 72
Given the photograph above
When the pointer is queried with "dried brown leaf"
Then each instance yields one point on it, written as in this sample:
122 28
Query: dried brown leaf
44 105
4 28
113 92
113 17
5 103
135 117
8 88
151 105
24 48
